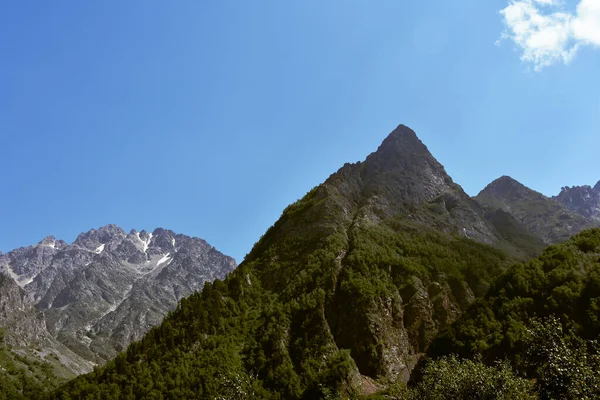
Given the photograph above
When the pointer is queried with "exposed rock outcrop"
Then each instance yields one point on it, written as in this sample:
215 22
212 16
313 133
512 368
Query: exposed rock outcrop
108 288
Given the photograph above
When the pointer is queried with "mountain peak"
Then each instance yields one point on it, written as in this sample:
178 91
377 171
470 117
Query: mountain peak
583 200
402 139
402 151
111 228
51 241
96 237
48 240
506 180
403 131
403 171
400 178
544 217
161 231
505 186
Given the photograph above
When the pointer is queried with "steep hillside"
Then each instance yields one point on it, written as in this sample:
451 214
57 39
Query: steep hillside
543 217
583 200
563 281
345 291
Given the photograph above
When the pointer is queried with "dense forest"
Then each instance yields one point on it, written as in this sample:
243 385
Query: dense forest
562 286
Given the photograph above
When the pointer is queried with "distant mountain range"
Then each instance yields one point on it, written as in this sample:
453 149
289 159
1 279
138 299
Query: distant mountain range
88 300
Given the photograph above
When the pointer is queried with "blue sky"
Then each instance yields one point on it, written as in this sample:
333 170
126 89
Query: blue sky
209 117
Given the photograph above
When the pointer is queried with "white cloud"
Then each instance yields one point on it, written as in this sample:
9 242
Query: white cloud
547 33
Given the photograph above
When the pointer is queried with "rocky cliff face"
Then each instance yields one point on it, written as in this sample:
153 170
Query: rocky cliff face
583 200
545 218
108 287
25 332
17 315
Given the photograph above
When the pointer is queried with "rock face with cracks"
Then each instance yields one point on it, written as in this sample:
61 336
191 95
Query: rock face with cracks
106 289
583 200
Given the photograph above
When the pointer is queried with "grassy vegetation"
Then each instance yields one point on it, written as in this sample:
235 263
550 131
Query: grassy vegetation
24 375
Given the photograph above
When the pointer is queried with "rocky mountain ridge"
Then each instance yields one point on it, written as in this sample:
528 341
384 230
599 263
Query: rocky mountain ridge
583 200
108 287
544 217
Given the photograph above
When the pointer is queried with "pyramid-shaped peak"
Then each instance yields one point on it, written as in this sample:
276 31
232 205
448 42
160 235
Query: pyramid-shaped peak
505 186
404 147
597 187
402 138
403 131
506 180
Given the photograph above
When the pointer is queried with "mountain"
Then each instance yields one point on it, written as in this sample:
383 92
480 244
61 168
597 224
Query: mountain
548 220
344 293
403 178
583 200
108 288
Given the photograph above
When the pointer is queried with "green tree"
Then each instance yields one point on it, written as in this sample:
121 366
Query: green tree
566 366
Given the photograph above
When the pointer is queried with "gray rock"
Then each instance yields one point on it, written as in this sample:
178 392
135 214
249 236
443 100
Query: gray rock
403 178
24 327
108 288
583 200
544 217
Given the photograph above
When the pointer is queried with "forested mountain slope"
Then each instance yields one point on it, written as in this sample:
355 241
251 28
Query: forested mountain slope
344 292
564 281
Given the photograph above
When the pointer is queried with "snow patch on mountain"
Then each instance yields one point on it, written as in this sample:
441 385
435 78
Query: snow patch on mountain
166 257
